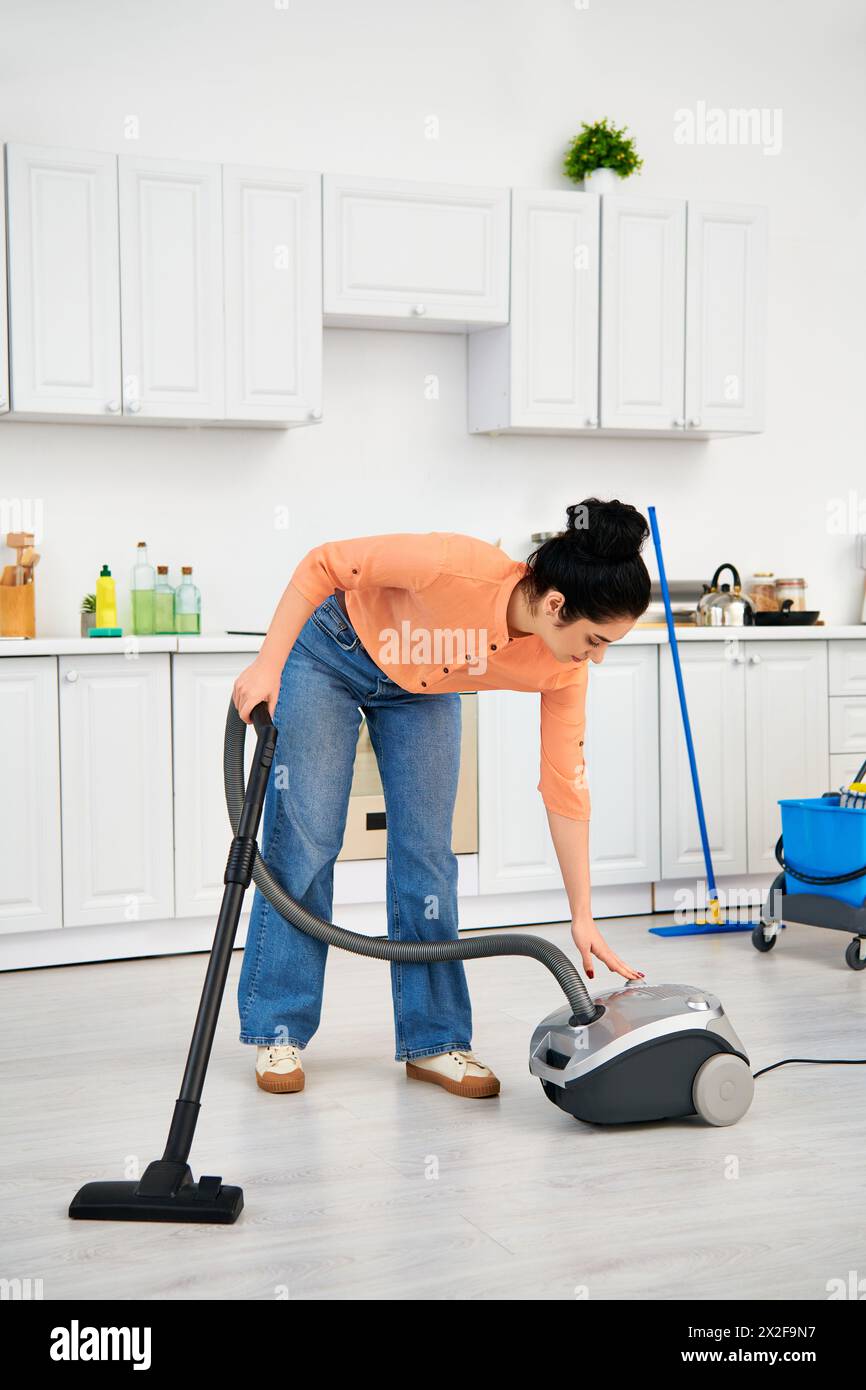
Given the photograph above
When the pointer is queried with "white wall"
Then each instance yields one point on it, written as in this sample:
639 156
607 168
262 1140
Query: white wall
347 87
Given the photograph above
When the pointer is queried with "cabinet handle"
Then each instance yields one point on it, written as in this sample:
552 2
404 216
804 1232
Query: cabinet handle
419 309
133 407
695 424
591 422
72 676
678 423
113 407
315 414
753 660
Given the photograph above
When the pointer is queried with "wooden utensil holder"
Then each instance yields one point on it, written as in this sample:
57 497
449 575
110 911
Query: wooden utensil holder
17 610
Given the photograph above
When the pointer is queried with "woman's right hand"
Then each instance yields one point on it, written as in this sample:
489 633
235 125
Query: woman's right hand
257 682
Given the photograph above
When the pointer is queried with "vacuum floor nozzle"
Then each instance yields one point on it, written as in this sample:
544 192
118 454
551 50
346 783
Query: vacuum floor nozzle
166 1192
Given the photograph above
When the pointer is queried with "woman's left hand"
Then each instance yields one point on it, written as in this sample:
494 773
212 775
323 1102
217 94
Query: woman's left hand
590 942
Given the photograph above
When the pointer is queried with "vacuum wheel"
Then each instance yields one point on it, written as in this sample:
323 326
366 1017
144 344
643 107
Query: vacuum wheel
723 1088
760 942
853 957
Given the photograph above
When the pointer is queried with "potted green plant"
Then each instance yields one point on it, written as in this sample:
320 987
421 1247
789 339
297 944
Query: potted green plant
88 614
600 156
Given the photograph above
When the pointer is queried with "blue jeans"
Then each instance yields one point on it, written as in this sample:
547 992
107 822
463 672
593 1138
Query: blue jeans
328 678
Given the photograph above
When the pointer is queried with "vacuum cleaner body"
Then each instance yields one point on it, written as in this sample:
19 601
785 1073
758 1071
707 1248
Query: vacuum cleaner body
655 1052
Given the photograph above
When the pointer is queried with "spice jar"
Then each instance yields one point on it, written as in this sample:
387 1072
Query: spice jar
761 592
795 590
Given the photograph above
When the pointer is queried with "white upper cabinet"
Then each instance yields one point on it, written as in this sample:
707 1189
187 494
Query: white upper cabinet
63 281
540 372
726 317
172 289
414 255
4 341
643 262
273 294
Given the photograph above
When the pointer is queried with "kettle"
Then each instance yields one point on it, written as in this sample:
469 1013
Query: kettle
723 606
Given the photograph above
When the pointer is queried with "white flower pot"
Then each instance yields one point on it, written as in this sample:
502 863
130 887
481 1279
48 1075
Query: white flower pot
603 181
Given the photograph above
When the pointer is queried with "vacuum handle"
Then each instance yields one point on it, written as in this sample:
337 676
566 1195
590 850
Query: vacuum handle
261 718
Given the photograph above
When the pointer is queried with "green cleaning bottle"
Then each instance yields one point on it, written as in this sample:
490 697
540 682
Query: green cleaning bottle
163 602
143 586
187 604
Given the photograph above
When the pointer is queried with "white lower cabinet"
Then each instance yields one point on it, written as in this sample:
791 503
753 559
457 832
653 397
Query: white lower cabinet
201 691
515 850
758 712
622 761
715 685
30 889
787 744
115 757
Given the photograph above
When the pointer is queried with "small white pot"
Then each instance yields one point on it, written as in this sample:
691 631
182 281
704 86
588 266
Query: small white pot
603 181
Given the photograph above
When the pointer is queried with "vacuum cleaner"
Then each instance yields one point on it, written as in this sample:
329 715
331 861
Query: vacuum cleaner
634 1053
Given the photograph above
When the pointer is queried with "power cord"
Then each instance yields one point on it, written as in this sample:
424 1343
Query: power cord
816 1062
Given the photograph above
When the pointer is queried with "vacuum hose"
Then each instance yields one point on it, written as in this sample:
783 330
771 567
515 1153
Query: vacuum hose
381 947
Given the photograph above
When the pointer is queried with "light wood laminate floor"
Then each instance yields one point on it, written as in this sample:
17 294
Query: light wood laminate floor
370 1186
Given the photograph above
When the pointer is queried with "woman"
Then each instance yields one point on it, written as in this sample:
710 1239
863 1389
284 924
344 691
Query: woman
398 625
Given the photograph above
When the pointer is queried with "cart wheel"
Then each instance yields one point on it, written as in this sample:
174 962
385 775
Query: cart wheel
853 957
759 941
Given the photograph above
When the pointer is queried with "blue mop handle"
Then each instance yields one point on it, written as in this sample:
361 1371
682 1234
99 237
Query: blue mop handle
678 672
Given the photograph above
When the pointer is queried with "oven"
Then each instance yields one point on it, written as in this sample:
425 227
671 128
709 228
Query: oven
366 828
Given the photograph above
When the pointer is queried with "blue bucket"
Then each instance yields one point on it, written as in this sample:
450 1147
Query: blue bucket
822 838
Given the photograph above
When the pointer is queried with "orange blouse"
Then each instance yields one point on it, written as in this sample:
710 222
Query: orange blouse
430 609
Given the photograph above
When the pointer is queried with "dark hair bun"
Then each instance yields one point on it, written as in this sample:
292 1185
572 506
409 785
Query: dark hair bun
605 532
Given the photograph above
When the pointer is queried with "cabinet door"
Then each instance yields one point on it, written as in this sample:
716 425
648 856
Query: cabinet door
515 851
847 723
4 337
714 679
30 892
787 742
414 255
64 290
115 759
273 289
847 665
201 691
643 281
725 317
622 759
554 310
172 289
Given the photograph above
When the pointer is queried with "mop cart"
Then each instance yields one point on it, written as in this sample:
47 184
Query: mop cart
822 854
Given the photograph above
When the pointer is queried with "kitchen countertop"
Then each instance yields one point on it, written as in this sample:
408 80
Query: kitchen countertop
221 642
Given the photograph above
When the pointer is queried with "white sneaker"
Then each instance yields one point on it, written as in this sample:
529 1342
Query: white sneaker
458 1072
279 1069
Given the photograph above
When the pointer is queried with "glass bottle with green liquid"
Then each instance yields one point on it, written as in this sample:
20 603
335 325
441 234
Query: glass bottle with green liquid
163 602
143 587
187 604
